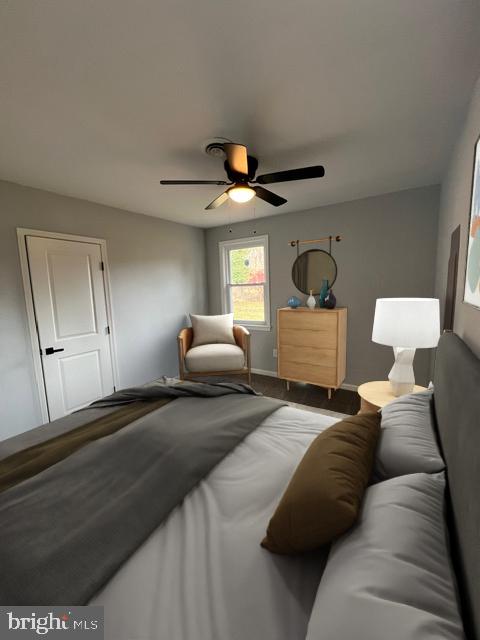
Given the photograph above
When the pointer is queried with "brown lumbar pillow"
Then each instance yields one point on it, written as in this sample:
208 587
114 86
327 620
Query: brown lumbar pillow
325 493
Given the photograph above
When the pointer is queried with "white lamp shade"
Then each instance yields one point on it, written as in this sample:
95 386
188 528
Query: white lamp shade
407 322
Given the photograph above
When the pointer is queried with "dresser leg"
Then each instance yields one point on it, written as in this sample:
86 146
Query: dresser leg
288 385
329 393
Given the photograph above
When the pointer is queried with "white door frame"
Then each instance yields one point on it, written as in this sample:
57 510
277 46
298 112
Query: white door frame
32 323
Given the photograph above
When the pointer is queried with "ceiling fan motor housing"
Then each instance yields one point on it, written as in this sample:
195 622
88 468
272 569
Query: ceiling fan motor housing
242 178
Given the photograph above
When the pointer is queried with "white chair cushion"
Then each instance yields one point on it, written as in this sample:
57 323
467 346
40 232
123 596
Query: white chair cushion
212 329
214 357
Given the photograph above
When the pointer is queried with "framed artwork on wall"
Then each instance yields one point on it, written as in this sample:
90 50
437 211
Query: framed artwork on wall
472 272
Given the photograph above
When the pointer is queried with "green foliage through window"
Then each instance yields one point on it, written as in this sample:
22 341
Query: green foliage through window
247 266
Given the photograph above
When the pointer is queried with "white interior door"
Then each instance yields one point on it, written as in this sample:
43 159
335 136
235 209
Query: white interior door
71 314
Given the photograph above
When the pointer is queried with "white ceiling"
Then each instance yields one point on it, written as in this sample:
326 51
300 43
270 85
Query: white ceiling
100 100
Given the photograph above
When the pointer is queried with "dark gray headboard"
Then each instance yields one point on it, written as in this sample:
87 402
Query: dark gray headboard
457 412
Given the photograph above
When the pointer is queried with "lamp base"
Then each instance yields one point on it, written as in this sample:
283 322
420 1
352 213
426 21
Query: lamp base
401 376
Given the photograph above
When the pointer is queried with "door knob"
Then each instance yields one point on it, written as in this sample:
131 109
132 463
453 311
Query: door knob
50 350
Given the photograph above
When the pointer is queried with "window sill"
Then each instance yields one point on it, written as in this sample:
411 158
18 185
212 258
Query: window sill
255 327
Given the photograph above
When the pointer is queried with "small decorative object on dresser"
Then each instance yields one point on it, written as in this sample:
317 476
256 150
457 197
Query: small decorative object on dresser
330 301
311 302
323 293
375 395
294 302
312 346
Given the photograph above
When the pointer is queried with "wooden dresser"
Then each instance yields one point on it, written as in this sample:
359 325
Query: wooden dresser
312 346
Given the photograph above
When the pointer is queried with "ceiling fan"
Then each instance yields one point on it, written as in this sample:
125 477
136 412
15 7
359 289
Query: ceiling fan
240 169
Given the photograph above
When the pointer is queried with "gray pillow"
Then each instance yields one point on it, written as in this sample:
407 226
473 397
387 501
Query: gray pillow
212 329
407 442
390 577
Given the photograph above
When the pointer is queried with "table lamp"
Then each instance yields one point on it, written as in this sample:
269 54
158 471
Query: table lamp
406 324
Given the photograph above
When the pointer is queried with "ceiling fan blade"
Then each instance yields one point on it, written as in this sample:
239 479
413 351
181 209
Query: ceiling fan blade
269 196
222 198
194 182
293 174
236 157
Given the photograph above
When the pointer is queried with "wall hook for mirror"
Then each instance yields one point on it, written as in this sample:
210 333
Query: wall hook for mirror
295 243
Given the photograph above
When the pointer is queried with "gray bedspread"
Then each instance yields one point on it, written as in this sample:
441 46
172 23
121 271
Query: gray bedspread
172 388
66 531
168 388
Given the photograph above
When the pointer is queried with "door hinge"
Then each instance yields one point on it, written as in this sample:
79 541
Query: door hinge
102 266
107 330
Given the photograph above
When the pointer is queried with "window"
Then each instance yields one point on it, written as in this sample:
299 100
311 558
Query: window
244 273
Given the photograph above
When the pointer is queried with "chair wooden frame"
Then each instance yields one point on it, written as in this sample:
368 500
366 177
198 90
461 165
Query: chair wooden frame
242 340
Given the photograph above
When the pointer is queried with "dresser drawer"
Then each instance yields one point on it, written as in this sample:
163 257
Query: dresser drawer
313 321
307 355
313 373
320 339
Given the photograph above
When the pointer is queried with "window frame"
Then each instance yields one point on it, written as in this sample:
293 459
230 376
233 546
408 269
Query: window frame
225 285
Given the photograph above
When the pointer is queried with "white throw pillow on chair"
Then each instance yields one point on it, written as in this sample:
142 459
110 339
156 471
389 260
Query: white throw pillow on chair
212 329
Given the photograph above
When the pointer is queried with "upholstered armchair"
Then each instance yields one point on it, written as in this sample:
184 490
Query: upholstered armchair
214 359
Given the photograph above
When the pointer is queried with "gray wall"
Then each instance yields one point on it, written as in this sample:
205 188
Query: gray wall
157 276
455 210
388 250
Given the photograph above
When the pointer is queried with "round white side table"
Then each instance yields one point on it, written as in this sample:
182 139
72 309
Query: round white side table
375 395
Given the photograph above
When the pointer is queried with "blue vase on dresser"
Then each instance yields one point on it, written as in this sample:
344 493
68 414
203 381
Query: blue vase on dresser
294 302
323 293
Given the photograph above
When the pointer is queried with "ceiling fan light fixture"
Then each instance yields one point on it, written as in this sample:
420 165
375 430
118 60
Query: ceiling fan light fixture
241 193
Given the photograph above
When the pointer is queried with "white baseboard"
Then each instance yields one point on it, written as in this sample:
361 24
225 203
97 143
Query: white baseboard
264 372
349 387
273 374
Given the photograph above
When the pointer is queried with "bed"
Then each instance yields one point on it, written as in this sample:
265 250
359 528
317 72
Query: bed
201 573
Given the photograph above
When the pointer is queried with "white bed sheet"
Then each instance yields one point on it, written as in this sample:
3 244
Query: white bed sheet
202 574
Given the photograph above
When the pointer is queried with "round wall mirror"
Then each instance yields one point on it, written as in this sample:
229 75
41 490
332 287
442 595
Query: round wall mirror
311 267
